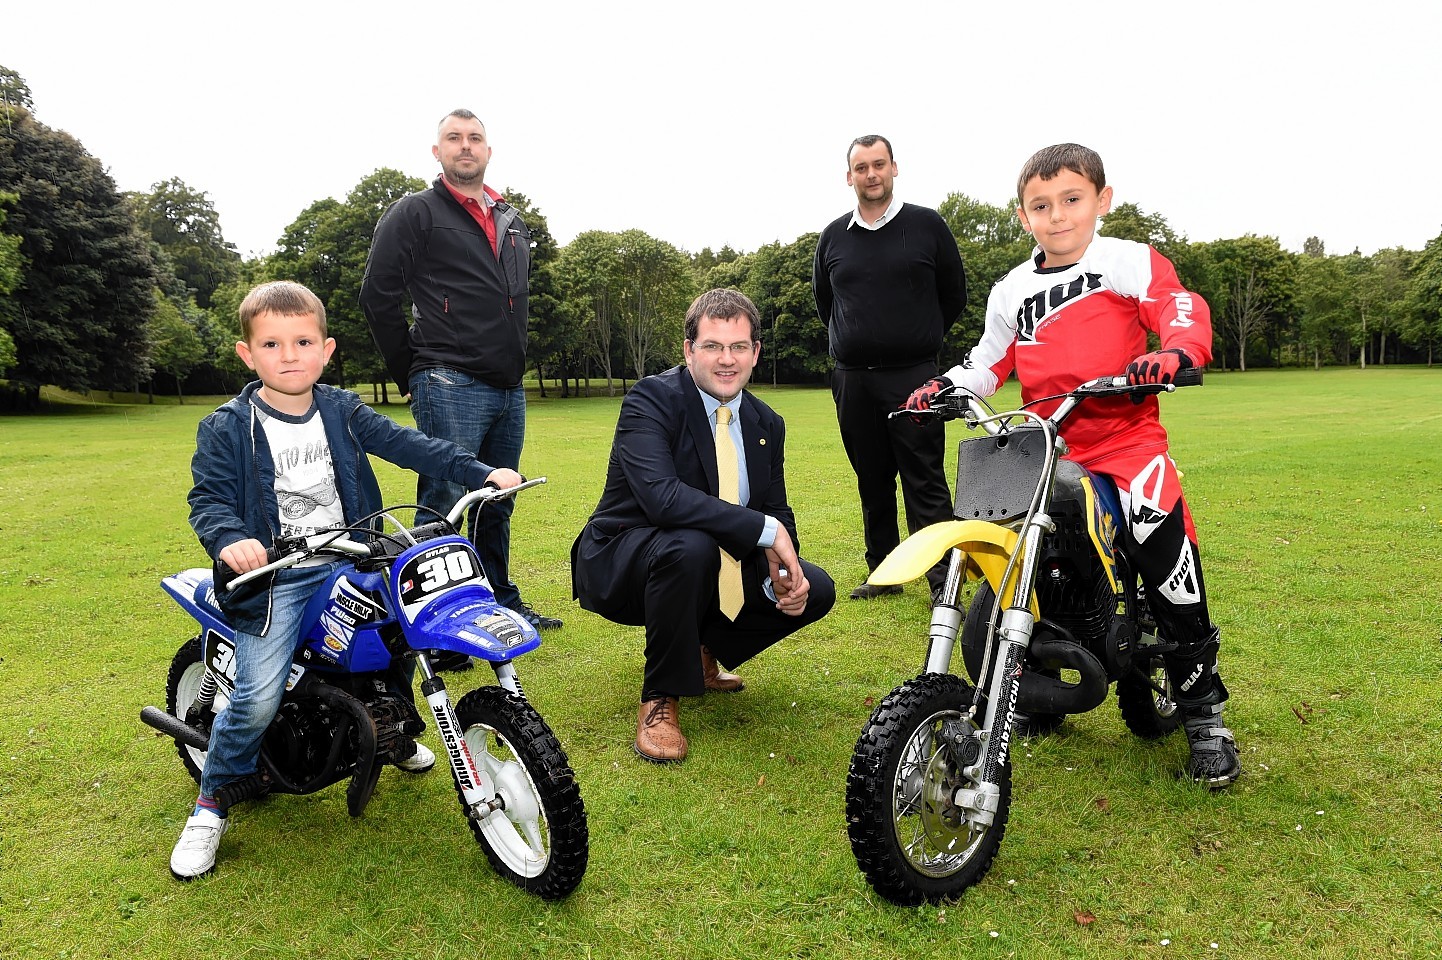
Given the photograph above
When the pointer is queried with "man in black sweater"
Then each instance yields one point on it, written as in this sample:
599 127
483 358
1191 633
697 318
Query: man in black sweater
889 283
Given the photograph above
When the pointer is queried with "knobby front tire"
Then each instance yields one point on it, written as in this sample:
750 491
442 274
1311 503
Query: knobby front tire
539 840
909 840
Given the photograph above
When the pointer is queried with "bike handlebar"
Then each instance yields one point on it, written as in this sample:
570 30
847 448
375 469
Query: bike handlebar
954 404
287 554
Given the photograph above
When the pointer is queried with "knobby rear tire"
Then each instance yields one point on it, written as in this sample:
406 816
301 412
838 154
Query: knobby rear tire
182 684
1147 713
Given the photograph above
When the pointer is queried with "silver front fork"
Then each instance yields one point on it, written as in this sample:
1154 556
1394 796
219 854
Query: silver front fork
945 618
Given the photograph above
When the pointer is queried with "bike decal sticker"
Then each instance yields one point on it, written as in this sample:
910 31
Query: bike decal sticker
436 571
504 629
1180 586
1146 494
1102 529
349 598
220 658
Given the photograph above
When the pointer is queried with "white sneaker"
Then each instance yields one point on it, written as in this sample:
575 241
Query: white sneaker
419 762
194 853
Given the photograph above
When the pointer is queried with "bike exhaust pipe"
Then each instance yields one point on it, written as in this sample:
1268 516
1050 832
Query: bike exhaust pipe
1043 694
174 728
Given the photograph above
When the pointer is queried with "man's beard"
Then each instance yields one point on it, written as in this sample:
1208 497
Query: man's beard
461 177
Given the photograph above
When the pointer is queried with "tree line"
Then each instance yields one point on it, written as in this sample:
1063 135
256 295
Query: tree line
102 290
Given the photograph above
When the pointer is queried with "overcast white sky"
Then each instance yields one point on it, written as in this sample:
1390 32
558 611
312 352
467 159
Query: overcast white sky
711 123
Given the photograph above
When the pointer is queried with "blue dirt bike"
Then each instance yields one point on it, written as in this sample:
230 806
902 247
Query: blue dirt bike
1058 617
401 595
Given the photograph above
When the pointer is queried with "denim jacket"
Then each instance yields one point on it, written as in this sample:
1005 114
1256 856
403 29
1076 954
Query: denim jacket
234 495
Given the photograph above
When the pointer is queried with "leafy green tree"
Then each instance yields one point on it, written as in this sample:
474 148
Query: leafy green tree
554 331
588 269
992 241
1379 286
778 281
1391 271
219 328
326 248
12 266
1323 308
1250 284
1128 222
707 260
186 225
175 347
14 92
86 294
655 288
1423 326
630 292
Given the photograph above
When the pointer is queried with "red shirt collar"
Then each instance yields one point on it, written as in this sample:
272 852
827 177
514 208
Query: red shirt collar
464 200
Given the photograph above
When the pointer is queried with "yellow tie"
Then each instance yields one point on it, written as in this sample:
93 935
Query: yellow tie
728 584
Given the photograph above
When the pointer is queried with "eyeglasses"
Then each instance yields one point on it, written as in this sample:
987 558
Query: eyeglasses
713 349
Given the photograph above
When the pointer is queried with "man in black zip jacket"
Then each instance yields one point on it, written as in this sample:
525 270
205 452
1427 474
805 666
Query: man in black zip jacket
462 254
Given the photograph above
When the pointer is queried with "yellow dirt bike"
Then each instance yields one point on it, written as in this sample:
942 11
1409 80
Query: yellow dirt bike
929 787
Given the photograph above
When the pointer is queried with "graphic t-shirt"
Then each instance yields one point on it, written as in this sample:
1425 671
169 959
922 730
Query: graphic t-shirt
305 488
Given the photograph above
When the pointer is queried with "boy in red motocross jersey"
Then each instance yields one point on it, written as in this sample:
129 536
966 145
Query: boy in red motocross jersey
1081 308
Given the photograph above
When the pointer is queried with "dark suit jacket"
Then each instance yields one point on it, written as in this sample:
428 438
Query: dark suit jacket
662 473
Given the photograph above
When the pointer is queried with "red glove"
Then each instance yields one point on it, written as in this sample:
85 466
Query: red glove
1159 367
923 396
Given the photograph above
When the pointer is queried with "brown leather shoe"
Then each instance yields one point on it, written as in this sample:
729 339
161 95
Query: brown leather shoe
658 734
717 679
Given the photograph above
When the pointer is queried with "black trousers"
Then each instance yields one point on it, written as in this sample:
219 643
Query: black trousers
671 591
881 449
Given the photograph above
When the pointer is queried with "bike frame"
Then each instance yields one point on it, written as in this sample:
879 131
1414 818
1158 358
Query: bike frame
436 592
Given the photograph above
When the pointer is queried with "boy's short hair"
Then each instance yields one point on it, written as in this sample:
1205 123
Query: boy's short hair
284 297
721 304
870 140
1050 161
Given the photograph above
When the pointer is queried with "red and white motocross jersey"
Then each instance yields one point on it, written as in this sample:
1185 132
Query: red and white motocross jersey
1062 326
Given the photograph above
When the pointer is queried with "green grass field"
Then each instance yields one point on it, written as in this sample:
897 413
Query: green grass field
1316 495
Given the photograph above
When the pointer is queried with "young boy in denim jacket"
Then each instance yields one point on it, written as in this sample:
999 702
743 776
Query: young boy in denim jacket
287 457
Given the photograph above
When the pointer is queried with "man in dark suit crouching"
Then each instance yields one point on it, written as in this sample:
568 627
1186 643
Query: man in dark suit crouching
693 537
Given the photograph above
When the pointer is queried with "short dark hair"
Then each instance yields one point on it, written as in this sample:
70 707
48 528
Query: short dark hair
1050 161
284 297
722 303
463 114
870 140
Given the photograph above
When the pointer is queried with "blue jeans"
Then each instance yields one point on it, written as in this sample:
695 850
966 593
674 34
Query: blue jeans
262 666
489 422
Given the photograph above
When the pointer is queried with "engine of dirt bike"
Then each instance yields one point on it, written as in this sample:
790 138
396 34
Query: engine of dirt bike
1086 594
317 736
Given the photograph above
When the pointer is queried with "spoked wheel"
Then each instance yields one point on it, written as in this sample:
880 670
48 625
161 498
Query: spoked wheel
182 687
538 840
1145 698
910 837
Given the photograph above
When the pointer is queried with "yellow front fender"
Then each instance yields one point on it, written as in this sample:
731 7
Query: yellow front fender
987 547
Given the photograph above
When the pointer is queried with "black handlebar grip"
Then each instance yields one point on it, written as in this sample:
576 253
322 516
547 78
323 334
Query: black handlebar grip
1188 377
222 574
